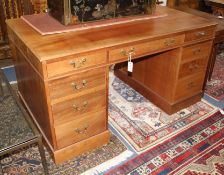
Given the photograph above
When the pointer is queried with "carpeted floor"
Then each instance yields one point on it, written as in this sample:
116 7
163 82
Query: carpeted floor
202 145
27 161
142 123
215 87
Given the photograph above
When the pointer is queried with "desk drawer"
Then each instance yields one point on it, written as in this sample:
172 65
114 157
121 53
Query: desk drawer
80 129
76 62
198 34
195 51
120 54
186 87
77 85
75 108
192 67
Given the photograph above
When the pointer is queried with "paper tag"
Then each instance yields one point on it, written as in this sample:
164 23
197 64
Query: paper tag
130 66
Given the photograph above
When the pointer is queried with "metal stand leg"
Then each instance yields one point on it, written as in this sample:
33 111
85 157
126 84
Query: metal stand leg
1 90
42 155
1 173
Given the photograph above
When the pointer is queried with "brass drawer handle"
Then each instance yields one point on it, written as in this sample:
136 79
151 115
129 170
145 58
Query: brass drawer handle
191 85
128 52
78 63
79 86
196 66
196 51
200 34
82 61
73 63
169 42
81 108
193 66
81 130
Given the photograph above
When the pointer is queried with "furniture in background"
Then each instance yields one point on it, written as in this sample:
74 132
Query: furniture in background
194 4
63 78
187 3
217 7
4 51
14 9
39 5
74 12
17 128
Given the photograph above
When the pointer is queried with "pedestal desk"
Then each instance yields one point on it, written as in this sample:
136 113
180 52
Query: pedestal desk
63 78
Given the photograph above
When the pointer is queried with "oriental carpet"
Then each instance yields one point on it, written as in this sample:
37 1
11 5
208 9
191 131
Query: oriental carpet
215 87
143 124
27 160
196 151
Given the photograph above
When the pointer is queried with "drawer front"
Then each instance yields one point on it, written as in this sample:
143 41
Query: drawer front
75 108
76 62
192 67
197 51
121 54
80 129
189 86
76 85
203 33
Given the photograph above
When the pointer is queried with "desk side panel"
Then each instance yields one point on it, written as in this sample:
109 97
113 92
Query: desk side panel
32 88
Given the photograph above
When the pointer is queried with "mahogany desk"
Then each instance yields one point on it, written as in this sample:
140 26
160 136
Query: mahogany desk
63 78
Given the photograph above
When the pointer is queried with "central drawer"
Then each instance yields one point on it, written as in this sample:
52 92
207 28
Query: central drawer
142 49
75 108
80 129
77 85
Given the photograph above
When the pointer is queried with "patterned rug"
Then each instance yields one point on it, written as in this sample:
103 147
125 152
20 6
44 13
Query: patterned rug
27 160
142 123
215 87
196 151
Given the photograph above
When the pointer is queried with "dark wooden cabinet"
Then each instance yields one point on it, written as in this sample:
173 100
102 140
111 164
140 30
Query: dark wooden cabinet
75 12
